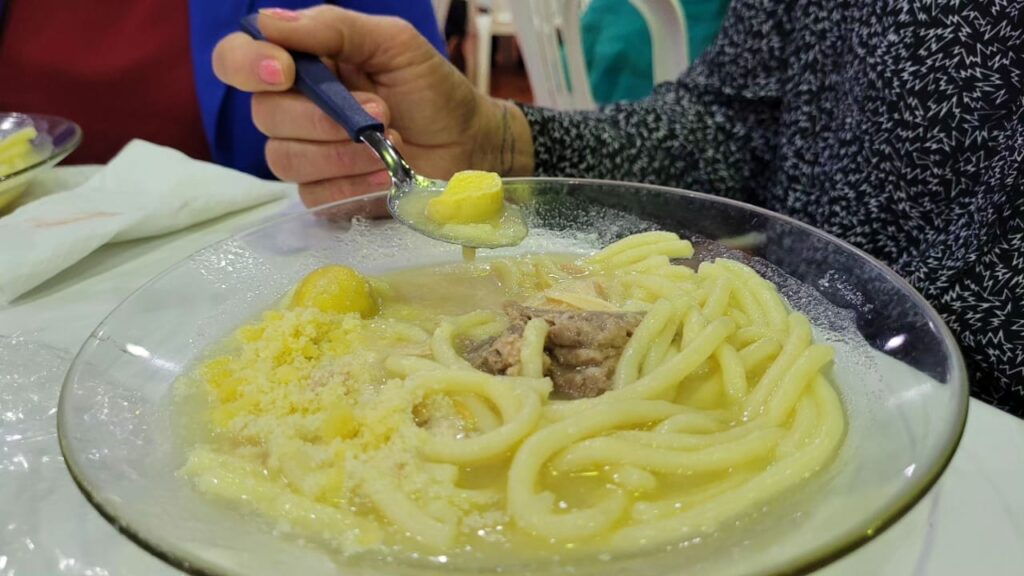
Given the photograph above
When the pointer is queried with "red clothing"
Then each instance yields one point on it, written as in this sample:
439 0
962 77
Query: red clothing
120 69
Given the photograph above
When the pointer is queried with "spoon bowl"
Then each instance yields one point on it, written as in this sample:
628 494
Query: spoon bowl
410 193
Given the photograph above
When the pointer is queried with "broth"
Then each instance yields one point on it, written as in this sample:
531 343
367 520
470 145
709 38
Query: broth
383 435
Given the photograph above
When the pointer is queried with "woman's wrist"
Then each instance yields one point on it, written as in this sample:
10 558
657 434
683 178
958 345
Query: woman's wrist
504 143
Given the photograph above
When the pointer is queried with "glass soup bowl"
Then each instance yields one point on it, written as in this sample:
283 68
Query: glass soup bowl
897 369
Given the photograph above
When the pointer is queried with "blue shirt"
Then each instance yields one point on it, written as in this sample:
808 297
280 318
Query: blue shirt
226 112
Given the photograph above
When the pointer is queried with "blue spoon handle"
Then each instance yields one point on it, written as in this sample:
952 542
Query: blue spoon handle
320 85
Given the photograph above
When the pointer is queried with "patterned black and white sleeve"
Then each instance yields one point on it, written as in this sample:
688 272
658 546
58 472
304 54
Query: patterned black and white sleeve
894 126
712 130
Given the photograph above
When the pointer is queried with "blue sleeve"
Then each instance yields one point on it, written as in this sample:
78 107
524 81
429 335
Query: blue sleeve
227 113
420 13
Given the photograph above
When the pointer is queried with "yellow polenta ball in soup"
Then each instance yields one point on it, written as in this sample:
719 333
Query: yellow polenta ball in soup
471 196
336 289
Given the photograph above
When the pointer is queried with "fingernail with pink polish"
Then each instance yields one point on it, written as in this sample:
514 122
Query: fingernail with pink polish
281 14
270 71
381 178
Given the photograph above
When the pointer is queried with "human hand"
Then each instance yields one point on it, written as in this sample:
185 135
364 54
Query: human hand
433 114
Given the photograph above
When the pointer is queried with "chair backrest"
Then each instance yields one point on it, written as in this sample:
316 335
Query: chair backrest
441 8
501 17
670 42
545 27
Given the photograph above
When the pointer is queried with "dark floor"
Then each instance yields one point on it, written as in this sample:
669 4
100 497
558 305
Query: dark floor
510 82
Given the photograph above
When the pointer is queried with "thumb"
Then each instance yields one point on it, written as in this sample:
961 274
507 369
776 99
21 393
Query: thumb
373 44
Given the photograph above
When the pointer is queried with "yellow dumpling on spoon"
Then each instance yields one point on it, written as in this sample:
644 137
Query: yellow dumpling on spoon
470 210
471 197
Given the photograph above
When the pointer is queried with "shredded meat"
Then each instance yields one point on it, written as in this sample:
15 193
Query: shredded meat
581 350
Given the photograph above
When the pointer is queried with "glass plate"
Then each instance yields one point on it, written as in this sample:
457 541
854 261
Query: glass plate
898 371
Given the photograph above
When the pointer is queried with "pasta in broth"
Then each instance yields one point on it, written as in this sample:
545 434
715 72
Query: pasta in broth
620 401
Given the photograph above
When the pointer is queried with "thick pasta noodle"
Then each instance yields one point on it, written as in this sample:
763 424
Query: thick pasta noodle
396 431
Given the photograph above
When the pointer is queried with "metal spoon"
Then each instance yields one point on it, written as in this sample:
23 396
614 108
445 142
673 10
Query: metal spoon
409 191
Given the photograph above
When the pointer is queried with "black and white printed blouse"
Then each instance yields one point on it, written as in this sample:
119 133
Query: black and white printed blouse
897 126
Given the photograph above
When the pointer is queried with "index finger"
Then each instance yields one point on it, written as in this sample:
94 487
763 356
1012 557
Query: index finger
252 65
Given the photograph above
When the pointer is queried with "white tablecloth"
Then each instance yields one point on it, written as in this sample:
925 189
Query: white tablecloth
972 522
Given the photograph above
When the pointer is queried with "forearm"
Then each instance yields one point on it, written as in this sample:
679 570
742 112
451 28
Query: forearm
677 137
680 136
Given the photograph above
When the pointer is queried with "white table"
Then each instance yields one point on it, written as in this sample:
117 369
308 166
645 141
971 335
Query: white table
972 522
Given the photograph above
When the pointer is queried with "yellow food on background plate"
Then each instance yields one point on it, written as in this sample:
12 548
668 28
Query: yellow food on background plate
19 150
509 409
16 151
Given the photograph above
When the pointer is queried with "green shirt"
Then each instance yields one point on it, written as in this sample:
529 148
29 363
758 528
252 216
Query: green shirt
617 45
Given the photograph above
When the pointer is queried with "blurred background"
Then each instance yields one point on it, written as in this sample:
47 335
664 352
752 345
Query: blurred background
142 69
576 54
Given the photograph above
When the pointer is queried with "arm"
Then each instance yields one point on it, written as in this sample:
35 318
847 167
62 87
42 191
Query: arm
713 130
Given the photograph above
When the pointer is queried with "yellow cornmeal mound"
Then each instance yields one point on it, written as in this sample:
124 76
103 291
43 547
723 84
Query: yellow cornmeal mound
302 412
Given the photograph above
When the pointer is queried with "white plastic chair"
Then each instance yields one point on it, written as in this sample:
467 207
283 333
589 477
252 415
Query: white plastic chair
544 27
670 42
495 22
